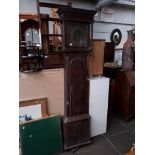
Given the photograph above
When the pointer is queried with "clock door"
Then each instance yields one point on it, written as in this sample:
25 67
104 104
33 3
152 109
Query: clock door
78 73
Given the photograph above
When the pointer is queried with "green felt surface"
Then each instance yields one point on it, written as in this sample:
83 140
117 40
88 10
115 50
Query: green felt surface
41 137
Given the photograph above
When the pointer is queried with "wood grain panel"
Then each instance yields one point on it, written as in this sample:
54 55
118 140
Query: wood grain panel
76 131
125 93
96 58
77 85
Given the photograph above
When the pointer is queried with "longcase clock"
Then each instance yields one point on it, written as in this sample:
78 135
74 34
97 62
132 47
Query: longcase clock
76 45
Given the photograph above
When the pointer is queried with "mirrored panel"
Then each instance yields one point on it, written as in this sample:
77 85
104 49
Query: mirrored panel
30 52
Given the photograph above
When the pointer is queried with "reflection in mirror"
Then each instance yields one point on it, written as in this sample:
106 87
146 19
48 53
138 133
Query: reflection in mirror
32 35
50 30
30 31
31 58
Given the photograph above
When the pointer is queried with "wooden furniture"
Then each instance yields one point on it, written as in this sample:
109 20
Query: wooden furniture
30 55
96 58
111 73
76 43
37 56
53 60
41 137
110 70
109 52
27 21
130 153
51 35
125 93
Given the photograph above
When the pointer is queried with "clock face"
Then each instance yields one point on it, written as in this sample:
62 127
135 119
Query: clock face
77 35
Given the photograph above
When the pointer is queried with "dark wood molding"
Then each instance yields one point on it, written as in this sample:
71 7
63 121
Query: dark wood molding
50 5
28 16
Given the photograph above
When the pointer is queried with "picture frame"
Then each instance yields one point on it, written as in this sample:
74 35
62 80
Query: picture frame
36 108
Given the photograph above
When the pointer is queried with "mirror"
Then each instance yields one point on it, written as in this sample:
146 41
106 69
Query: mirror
29 29
32 35
30 53
50 30
116 36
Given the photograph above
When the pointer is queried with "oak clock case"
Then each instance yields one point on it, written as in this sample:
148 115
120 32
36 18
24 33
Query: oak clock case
76 29
76 45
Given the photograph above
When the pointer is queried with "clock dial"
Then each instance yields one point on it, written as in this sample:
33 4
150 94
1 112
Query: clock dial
77 35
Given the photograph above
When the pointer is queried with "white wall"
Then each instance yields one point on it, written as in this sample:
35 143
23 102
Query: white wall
103 31
27 6
123 18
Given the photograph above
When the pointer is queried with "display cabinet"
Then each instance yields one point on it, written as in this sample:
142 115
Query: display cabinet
30 53
76 25
51 35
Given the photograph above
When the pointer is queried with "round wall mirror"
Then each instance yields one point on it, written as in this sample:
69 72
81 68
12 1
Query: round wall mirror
116 36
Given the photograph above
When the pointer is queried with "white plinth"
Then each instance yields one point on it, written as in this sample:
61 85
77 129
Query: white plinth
98 105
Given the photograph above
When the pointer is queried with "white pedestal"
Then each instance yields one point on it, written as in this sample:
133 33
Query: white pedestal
98 105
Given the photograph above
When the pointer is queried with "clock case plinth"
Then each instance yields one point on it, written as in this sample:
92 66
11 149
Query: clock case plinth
76 27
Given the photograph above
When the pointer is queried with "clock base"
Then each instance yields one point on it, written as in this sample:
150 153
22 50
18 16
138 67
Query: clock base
76 131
